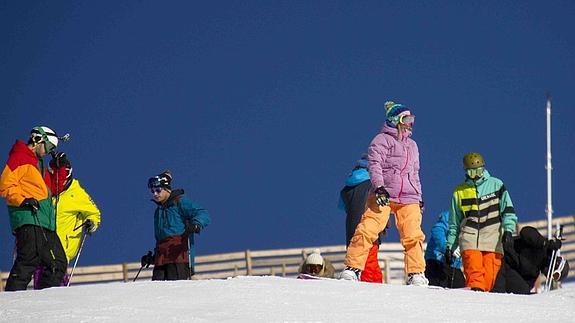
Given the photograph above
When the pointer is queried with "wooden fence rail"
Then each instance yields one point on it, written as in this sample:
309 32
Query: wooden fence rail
285 262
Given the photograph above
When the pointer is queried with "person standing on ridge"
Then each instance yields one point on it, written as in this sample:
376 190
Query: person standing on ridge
77 212
26 185
393 164
352 199
176 219
481 220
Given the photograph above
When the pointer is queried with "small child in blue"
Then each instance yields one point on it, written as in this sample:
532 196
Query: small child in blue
437 269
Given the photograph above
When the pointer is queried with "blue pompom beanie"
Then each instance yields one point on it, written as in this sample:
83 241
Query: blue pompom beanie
394 111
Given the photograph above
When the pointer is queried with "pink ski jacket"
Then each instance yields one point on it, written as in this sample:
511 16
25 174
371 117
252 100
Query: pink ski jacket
394 164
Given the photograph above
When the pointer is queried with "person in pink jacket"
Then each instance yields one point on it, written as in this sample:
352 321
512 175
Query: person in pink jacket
394 171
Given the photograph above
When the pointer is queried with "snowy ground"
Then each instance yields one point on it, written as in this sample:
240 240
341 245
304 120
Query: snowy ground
274 299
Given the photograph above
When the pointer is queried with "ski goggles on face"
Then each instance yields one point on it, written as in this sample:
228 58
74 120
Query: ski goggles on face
475 172
407 120
155 190
313 269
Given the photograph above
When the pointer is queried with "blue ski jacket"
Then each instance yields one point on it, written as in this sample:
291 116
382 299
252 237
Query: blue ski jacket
170 218
438 241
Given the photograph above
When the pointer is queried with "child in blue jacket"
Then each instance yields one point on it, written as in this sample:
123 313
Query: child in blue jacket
439 271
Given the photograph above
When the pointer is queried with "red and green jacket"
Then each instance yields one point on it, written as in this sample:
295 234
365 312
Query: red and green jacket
25 176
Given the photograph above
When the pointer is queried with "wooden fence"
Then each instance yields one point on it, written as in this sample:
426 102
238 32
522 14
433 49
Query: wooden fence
285 262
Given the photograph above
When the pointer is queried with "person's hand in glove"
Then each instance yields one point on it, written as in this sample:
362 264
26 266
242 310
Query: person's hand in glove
31 203
90 226
448 256
59 160
553 244
507 238
192 227
421 206
381 196
147 259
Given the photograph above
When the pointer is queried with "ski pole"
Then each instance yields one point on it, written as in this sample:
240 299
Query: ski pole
84 236
81 225
190 272
138 274
554 255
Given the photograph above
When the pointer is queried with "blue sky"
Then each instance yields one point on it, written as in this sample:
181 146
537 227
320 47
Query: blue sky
261 108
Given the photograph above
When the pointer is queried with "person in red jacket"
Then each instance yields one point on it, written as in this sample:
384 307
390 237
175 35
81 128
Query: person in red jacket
26 184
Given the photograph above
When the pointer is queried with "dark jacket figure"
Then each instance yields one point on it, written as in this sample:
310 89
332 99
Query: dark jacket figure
353 198
176 219
442 271
27 186
527 256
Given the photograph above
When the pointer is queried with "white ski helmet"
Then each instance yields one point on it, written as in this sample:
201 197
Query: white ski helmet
42 134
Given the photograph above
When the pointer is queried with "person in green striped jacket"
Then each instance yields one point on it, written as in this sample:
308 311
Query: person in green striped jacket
481 220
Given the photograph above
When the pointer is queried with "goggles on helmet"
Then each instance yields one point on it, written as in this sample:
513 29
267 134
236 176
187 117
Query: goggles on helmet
407 120
475 173
39 136
154 182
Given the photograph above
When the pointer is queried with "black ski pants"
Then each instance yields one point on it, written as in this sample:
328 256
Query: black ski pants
37 246
441 274
171 272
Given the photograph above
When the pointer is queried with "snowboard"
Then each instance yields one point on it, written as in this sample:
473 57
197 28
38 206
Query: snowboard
308 276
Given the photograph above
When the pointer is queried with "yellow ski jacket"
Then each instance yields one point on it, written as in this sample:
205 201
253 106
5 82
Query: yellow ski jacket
74 207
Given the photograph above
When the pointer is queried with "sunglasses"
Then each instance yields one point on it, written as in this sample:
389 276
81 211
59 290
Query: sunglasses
155 190
475 172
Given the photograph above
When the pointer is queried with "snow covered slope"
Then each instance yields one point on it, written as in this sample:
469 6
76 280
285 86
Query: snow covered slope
263 299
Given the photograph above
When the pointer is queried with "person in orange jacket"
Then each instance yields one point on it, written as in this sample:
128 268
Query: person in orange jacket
26 184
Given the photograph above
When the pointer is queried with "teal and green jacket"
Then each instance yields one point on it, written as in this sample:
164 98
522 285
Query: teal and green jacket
480 212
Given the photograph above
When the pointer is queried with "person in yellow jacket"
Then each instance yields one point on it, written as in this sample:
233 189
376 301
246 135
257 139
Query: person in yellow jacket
76 211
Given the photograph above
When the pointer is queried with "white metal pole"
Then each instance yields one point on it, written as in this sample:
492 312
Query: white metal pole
548 166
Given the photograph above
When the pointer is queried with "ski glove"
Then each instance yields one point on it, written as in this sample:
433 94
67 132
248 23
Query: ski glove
147 259
448 256
507 239
553 244
381 196
60 160
191 228
31 203
90 226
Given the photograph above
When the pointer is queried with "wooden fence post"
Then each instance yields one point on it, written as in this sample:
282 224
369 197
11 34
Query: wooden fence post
1 282
284 269
387 270
248 263
125 271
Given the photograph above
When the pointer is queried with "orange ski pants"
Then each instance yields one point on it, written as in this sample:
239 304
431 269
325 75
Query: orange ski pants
374 220
481 268
372 272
